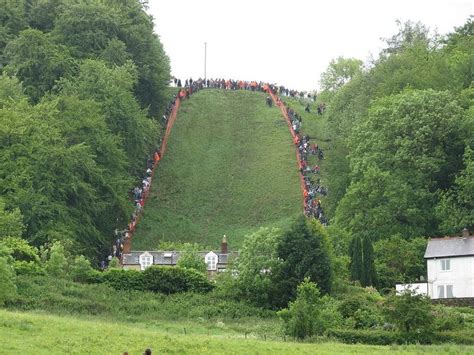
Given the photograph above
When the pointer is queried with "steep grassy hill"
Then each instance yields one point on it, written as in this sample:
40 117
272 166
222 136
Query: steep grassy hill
229 168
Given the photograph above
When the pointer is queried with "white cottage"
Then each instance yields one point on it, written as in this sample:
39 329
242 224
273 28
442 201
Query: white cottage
450 264
216 260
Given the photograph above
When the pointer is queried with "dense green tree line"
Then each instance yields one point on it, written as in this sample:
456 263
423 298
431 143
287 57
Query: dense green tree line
272 263
402 129
80 84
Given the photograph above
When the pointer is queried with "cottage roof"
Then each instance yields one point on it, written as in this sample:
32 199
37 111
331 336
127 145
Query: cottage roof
169 257
446 247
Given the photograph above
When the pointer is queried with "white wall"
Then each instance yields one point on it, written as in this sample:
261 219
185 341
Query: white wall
419 288
461 276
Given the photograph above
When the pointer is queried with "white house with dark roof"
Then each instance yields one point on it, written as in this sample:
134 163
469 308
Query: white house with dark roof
216 260
450 264
450 268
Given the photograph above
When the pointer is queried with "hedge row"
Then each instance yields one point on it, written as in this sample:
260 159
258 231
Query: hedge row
383 337
161 279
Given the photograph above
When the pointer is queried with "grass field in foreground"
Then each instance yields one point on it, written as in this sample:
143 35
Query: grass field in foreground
36 333
229 168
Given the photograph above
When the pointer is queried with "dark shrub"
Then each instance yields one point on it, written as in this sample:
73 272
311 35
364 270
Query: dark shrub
174 279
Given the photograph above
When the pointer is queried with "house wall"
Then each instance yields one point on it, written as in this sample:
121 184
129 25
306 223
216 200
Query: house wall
418 288
461 276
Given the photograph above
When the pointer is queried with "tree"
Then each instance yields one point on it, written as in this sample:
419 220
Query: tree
411 60
399 160
303 254
412 314
11 90
11 222
24 257
409 33
57 265
369 274
7 280
80 269
362 267
456 208
339 72
256 265
112 90
355 252
87 28
190 259
38 62
302 316
115 53
399 260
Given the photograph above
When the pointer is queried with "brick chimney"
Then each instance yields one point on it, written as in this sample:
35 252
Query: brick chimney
224 245
465 233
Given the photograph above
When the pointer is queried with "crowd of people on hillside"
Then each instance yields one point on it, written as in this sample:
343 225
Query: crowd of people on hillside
140 192
312 189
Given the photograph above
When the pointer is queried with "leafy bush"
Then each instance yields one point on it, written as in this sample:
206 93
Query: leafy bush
174 279
310 314
25 258
374 337
121 279
166 280
360 307
382 337
462 337
367 317
114 263
57 265
62 296
192 260
411 313
80 269
27 268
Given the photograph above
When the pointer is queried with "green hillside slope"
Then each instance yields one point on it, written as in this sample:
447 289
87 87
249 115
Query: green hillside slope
229 168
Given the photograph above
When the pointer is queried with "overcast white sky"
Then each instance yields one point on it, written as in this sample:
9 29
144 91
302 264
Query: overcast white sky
287 42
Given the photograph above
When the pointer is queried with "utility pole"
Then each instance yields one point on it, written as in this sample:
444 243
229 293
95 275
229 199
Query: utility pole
205 59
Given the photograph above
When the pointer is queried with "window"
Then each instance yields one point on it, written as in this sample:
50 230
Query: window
445 264
145 260
211 261
441 291
449 291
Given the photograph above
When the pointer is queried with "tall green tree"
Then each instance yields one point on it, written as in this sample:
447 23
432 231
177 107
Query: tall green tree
257 265
356 254
456 207
399 160
37 62
362 265
339 72
11 222
399 260
369 274
303 254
